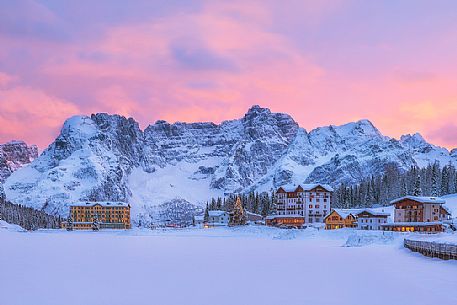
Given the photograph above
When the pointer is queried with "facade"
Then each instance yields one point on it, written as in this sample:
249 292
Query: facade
307 203
419 209
285 220
109 215
341 218
198 220
218 218
371 220
252 217
424 227
418 214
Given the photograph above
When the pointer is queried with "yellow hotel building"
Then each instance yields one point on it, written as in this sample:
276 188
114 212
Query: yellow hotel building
110 215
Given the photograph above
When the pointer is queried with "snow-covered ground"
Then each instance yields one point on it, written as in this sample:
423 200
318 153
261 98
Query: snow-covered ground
250 265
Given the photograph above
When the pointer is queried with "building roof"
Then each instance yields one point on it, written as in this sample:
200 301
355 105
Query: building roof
215 213
253 214
416 224
345 212
102 203
420 199
374 212
269 217
306 187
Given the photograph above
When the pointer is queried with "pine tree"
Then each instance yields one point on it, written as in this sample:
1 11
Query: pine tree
69 223
445 181
434 189
96 223
206 217
417 186
238 216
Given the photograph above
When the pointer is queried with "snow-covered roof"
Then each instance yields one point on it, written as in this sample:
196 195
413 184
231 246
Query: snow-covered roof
283 216
253 214
215 213
420 199
199 217
306 187
374 212
417 224
346 212
102 203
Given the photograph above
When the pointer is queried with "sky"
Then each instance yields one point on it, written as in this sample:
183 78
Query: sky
324 62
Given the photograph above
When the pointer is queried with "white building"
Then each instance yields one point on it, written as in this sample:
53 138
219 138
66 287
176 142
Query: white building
218 218
312 202
198 220
369 219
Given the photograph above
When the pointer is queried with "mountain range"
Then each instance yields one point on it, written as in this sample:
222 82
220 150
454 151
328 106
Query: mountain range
168 166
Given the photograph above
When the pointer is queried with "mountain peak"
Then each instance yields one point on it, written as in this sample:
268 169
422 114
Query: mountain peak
256 109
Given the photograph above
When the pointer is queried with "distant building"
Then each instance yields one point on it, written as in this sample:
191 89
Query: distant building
198 220
341 218
302 204
252 217
109 215
218 218
370 219
285 221
418 213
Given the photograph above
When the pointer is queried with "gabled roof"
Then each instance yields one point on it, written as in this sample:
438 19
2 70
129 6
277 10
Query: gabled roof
420 199
344 213
216 213
305 187
102 203
374 213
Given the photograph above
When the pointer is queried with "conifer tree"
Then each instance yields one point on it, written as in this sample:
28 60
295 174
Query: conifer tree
238 216
417 186
69 223
96 223
206 217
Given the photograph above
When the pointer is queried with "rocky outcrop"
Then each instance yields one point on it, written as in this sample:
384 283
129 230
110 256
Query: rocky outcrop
108 157
14 155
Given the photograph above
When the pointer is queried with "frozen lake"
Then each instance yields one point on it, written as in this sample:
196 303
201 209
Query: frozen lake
252 265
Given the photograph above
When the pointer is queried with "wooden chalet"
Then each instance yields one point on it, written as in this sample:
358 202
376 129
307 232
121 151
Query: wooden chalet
341 218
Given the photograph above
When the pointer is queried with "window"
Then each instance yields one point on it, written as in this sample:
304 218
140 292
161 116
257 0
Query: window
310 206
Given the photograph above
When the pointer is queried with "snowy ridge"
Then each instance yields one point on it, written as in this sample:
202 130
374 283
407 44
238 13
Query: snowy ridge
108 158
14 155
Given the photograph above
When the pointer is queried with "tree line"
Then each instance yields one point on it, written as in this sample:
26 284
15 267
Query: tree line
26 217
432 180
254 202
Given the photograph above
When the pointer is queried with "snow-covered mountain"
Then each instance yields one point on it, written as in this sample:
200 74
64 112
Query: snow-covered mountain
108 157
14 155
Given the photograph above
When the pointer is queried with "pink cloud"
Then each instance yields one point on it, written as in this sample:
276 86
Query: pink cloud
211 64
31 115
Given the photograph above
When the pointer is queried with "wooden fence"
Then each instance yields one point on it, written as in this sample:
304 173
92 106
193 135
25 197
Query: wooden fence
432 249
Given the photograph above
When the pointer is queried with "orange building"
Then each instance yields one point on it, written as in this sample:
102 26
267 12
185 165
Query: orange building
109 215
341 218
285 221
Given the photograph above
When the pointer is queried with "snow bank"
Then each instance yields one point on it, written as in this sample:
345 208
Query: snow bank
10 227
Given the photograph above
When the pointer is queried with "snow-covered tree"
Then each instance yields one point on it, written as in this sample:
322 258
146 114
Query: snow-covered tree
238 216
434 189
96 223
206 217
417 186
69 223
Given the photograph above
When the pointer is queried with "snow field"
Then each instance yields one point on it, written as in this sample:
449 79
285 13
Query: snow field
251 265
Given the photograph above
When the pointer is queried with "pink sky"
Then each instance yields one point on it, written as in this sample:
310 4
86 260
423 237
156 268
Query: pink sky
323 62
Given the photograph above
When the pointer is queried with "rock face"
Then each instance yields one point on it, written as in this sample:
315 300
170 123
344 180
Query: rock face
14 155
108 157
